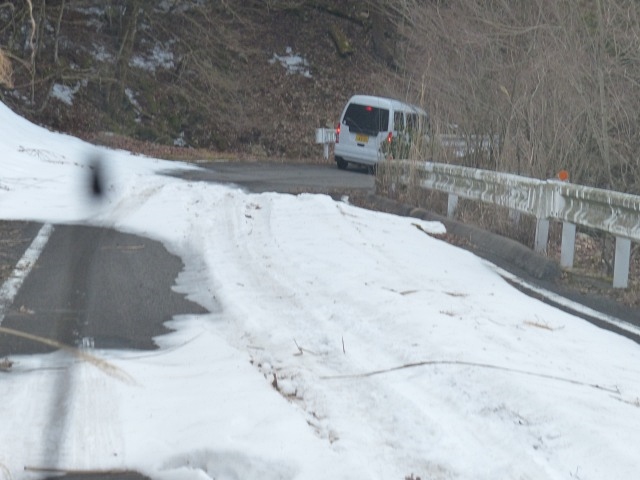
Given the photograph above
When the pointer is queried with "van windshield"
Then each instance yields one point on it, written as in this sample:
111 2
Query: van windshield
366 119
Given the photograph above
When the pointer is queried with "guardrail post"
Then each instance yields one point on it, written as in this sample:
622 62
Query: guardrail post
325 136
545 195
621 263
452 204
568 247
542 235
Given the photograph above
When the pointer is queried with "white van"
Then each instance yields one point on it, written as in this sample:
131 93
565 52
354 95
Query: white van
367 122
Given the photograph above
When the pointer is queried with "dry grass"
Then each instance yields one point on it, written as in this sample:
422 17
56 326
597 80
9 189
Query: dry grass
592 271
496 219
187 154
6 70
155 150
539 324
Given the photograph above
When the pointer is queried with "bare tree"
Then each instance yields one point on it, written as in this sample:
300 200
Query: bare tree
128 22
32 47
56 60
555 82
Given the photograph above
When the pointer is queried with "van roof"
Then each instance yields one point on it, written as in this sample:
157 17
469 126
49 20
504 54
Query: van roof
386 103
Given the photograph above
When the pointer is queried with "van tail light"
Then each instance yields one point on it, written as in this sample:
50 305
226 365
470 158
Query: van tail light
338 133
389 137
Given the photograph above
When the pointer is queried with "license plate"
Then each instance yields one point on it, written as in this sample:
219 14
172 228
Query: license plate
360 138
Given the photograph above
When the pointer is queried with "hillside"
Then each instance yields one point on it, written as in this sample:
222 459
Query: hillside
552 84
249 77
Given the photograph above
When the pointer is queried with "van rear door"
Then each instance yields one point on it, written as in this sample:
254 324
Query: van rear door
365 122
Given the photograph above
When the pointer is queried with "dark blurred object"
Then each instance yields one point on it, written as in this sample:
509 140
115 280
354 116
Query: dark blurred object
97 177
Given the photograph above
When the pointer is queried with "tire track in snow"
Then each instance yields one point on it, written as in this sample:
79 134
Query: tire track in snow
252 248
94 438
284 301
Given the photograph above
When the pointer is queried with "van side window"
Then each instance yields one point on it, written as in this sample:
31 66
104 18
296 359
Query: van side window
418 123
398 121
366 119
413 123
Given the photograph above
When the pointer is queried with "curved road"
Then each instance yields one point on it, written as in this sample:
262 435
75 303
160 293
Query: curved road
283 177
102 288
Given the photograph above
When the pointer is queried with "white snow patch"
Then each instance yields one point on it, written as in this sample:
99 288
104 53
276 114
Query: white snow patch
66 93
180 141
131 96
101 54
160 57
294 63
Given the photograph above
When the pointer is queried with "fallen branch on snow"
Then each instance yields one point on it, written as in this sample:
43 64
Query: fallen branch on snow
302 350
65 471
477 365
103 365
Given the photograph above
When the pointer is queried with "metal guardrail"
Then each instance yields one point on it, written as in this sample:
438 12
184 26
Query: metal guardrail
507 190
613 212
325 136
458 145
462 145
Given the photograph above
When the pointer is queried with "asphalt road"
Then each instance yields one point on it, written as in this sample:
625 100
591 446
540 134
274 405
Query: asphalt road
284 178
90 287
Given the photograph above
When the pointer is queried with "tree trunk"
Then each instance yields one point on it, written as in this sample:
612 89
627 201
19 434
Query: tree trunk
115 93
57 33
602 96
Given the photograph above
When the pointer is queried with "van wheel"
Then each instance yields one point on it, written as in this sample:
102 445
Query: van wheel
342 163
373 169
